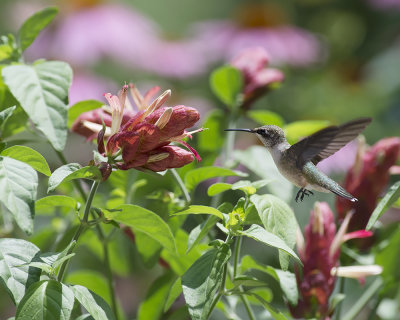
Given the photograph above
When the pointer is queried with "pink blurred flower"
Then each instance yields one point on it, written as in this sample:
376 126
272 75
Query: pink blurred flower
341 161
253 63
319 253
367 179
141 139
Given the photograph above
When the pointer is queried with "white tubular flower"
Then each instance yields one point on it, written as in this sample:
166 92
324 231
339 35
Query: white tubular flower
356 272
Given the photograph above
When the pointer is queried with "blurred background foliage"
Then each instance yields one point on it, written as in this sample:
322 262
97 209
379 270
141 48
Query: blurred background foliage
341 60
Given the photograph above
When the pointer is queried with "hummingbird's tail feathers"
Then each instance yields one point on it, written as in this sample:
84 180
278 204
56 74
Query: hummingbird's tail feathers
339 191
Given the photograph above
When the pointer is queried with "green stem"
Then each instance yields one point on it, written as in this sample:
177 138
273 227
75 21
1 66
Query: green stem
181 185
82 226
76 183
341 290
238 244
367 295
248 307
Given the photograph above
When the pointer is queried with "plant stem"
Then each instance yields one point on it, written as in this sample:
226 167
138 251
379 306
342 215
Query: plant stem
81 227
368 294
76 183
248 307
238 244
181 185
341 290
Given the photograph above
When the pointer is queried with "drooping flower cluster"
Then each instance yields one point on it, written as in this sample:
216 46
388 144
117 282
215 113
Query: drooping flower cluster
258 78
320 255
367 179
141 139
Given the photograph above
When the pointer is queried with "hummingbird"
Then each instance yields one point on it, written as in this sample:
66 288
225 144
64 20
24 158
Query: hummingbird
297 162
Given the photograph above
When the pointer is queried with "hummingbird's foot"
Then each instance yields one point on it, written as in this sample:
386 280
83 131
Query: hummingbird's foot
303 192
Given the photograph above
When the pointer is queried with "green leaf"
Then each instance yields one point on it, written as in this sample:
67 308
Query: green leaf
226 82
34 24
265 117
42 91
199 232
173 294
200 210
277 218
276 314
259 160
287 282
148 248
82 106
387 257
153 305
18 185
29 156
94 304
248 281
390 197
72 171
145 221
258 233
46 300
50 202
15 275
194 177
5 114
297 130
211 139
218 187
203 280
6 52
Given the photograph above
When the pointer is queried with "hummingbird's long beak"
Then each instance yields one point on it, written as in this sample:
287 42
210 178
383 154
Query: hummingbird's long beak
245 130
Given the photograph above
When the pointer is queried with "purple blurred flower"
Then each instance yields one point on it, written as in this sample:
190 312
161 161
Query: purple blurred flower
385 4
341 161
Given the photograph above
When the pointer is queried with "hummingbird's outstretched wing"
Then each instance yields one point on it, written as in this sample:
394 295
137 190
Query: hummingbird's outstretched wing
327 141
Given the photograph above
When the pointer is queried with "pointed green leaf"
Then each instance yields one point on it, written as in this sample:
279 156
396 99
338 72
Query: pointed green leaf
153 305
42 91
5 114
173 294
50 202
203 280
82 106
194 177
18 185
72 171
34 24
390 197
46 300
15 275
29 156
277 218
200 210
226 82
145 221
265 117
258 233
94 304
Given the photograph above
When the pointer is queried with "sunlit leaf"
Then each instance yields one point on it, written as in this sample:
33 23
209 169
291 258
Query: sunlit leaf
226 83
258 233
173 293
94 304
5 114
72 171
42 91
49 203
194 177
200 210
277 218
34 24
265 117
297 130
46 300
203 279
390 197
18 187
199 232
29 156
15 274
218 187
145 221
82 106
